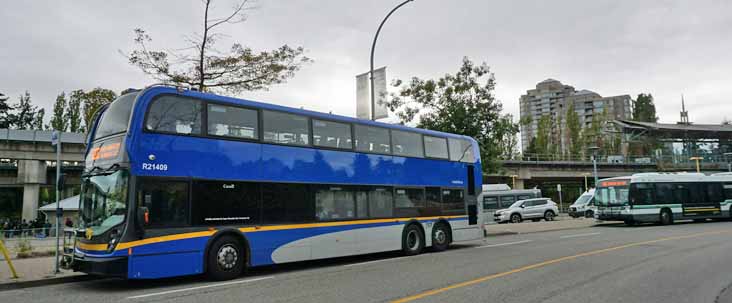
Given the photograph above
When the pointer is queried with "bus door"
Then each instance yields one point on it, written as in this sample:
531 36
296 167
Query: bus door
472 197
700 199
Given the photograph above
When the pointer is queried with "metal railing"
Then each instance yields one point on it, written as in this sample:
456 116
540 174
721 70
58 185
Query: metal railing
718 160
29 233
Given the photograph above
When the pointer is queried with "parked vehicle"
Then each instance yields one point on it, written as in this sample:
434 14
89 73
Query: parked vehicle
529 209
499 196
584 206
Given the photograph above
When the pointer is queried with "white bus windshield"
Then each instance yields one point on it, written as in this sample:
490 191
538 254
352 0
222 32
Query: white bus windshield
612 193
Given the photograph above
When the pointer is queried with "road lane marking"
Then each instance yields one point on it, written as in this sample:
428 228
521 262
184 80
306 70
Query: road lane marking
198 287
546 263
504 244
579 235
375 261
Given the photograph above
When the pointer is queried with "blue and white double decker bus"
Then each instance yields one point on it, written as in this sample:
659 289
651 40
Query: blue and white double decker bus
179 182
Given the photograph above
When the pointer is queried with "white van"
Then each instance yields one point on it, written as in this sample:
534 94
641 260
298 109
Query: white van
584 206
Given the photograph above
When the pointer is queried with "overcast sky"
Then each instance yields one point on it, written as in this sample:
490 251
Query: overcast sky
666 48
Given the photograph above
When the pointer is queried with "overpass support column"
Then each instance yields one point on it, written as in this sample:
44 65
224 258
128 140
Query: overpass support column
519 183
31 173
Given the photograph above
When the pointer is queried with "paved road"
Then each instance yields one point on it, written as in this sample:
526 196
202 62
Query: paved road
610 263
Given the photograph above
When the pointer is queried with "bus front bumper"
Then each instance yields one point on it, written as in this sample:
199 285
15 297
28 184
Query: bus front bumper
108 266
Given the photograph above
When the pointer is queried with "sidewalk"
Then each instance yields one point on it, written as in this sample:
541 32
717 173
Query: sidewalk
39 245
532 227
33 272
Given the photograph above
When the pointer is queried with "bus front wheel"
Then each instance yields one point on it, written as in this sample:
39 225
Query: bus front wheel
225 259
412 240
666 218
441 237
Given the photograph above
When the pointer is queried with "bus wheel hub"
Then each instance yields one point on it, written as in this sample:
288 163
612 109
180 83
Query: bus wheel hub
227 257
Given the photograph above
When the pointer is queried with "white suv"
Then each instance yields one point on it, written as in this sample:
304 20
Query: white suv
529 209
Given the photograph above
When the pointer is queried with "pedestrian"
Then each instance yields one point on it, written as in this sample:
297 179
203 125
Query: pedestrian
69 223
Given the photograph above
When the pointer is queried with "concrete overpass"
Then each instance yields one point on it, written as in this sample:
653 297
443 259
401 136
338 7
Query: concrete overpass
28 169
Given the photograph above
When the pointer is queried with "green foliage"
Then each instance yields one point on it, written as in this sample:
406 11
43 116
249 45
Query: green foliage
58 121
24 113
506 139
594 136
209 69
644 110
545 143
24 247
4 111
575 132
38 119
73 111
93 100
462 103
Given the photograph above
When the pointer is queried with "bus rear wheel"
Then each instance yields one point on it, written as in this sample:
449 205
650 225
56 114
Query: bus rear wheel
665 217
225 259
412 240
441 237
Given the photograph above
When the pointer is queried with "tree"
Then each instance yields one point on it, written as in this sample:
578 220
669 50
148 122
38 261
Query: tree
38 119
644 110
93 100
24 113
462 103
574 131
4 111
506 137
58 120
202 66
73 111
544 136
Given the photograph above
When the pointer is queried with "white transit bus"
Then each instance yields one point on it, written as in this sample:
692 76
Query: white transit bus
664 197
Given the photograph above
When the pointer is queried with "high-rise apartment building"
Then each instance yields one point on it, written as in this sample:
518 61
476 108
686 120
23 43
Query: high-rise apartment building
551 97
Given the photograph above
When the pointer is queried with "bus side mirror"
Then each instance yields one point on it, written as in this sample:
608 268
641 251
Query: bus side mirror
61 182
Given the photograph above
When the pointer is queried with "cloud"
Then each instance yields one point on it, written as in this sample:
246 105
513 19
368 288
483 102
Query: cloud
612 47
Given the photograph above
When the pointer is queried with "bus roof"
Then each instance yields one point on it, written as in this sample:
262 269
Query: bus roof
673 177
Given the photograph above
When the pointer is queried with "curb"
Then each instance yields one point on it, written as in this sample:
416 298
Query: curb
44 282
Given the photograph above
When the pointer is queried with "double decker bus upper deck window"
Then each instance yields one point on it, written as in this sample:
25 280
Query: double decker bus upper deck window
173 114
284 128
117 117
230 121
407 144
461 150
435 147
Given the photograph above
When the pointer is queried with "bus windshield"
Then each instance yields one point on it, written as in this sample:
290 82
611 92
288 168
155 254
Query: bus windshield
583 199
103 201
117 117
613 195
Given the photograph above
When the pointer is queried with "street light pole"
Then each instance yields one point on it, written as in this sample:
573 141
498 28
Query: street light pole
697 159
373 46
594 162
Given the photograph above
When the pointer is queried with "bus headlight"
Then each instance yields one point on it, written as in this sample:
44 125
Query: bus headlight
113 238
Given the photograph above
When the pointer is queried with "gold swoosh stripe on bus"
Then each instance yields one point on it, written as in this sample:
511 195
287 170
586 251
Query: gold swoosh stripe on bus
701 209
208 233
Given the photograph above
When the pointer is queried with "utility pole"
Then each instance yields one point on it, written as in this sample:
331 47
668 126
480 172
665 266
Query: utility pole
697 159
56 140
594 150
373 46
